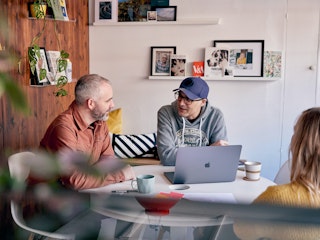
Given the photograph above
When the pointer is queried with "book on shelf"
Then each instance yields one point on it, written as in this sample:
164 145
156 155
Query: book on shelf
53 57
178 65
59 8
198 69
38 77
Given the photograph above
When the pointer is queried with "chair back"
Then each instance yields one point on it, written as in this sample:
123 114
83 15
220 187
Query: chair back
19 165
283 175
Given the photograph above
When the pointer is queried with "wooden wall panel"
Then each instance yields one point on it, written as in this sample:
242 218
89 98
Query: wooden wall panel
20 132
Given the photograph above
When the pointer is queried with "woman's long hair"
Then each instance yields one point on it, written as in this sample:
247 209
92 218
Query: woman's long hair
305 151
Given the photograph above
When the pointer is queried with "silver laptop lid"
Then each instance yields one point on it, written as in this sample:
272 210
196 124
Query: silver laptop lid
207 164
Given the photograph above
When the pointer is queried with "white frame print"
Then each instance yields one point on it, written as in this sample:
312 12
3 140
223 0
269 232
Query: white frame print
108 15
253 51
156 55
151 16
216 62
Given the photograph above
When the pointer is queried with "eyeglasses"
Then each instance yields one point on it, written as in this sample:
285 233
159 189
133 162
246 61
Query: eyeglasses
186 100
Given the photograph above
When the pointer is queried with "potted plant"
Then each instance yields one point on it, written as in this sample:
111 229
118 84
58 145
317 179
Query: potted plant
34 53
38 8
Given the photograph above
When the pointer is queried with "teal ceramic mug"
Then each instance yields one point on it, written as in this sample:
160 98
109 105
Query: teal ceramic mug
144 183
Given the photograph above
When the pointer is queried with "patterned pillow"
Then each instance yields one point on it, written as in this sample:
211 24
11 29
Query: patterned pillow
134 146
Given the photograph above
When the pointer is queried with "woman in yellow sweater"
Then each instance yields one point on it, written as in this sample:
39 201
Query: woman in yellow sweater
304 187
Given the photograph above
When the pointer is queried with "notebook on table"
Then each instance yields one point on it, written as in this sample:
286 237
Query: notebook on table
208 164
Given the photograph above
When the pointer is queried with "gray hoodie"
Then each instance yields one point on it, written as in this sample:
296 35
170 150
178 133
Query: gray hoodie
175 131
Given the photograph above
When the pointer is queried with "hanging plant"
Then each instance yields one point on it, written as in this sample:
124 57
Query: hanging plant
34 54
62 64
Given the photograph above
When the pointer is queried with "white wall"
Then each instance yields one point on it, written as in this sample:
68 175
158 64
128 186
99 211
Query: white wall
259 115
301 88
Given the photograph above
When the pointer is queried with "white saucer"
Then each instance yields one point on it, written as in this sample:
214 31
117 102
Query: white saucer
247 179
179 187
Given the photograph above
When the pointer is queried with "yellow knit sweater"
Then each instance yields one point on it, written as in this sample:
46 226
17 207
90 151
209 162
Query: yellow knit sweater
291 194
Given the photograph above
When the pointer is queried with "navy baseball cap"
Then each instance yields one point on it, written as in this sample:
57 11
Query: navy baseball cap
194 88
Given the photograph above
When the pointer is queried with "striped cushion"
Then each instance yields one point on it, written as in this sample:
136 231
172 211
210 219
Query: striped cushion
134 146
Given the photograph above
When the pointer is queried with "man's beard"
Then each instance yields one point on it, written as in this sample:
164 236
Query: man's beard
99 116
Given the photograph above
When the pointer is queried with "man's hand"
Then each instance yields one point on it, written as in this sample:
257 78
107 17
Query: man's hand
220 143
128 173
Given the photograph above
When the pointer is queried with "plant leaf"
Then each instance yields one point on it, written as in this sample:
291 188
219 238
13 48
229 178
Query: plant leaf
43 73
61 92
62 81
62 65
14 93
64 54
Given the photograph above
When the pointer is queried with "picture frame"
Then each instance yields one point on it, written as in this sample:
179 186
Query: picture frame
272 64
160 60
151 16
42 63
166 13
133 11
160 2
245 56
105 11
216 62
178 64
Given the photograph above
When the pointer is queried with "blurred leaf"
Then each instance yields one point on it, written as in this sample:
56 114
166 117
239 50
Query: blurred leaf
10 184
14 93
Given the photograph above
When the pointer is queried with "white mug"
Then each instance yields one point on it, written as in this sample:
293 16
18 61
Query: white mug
252 170
144 183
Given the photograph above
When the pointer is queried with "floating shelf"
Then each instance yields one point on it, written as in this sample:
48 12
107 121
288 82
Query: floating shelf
257 79
52 19
210 21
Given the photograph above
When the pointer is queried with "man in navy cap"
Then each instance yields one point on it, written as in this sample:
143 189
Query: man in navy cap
189 121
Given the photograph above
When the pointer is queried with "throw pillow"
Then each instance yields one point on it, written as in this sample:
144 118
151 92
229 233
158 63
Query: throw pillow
114 121
134 146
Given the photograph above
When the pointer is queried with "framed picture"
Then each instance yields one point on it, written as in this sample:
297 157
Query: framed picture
133 11
151 16
216 62
159 2
245 56
272 64
105 11
178 65
168 13
42 63
160 60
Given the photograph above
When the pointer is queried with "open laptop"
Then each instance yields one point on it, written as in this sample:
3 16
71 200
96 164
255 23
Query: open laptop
208 164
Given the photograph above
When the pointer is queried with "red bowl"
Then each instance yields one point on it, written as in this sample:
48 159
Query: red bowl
155 205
